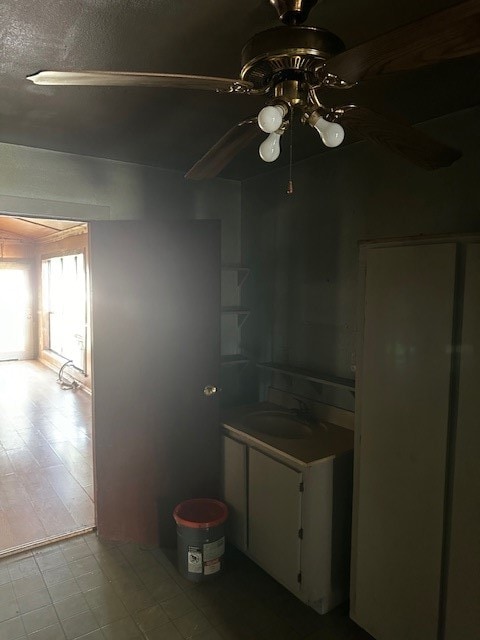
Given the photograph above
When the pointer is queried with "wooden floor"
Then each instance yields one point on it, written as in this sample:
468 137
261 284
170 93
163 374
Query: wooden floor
46 470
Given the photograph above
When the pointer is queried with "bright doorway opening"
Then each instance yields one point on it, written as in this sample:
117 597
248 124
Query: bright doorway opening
46 457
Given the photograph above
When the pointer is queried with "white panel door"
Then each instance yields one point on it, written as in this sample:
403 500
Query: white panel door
274 501
403 414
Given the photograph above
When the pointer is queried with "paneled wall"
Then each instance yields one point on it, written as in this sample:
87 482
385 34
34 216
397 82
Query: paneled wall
12 249
43 183
303 248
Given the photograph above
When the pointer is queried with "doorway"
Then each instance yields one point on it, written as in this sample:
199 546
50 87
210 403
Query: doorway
157 346
46 457
16 326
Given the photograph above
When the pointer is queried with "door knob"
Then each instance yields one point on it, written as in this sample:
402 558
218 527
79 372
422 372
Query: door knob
210 390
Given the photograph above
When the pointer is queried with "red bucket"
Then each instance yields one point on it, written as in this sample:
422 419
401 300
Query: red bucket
200 538
200 513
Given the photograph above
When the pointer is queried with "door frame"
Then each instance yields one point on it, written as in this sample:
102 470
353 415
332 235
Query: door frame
103 213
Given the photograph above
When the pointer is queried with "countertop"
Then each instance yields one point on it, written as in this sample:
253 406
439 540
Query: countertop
327 441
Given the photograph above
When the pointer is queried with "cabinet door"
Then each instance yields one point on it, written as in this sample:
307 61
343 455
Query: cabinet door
235 490
402 417
274 501
463 575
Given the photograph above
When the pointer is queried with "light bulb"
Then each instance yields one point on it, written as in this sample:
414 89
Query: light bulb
331 133
334 135
270 118
269 150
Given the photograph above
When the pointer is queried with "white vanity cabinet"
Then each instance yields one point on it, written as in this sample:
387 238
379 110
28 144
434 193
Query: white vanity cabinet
289 516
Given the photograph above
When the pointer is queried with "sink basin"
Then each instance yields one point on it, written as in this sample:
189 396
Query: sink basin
277 423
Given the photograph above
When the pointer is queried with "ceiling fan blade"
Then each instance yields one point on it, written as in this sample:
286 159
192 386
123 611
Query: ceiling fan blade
223 152
412 144
451 33
133 79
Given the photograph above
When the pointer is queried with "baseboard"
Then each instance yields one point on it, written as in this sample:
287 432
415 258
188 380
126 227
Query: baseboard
36 544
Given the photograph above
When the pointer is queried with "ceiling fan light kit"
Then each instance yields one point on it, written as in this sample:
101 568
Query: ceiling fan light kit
293 64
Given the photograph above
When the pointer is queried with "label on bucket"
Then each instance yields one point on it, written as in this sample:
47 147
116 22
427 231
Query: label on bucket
211 566
214 550
194 560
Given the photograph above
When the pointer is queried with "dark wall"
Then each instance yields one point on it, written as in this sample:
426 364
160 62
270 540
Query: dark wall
44 183
303 248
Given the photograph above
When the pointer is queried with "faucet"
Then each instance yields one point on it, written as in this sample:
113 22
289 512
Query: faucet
303 412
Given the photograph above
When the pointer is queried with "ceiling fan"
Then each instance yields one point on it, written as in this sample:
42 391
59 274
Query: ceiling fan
291 64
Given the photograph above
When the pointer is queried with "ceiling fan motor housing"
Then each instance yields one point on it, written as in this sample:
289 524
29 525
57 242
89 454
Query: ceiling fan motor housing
288 53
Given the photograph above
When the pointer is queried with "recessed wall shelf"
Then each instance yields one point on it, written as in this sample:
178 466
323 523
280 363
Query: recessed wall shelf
331 381
234 315
241 312
242 272
235 359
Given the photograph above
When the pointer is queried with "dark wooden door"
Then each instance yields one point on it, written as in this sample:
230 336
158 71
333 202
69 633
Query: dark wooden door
156 345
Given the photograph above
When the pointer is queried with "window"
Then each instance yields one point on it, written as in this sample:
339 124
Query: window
64 304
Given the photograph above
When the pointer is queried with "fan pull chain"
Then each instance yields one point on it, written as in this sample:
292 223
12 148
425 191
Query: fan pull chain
290 162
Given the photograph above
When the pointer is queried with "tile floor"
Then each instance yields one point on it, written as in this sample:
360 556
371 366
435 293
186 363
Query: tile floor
46 476
88 589
84 588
